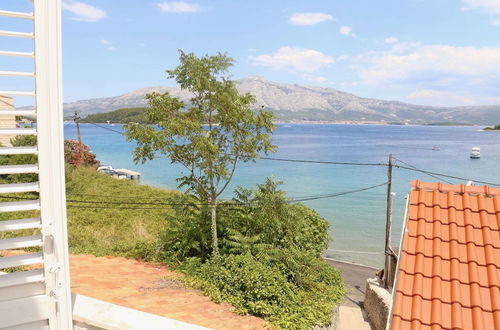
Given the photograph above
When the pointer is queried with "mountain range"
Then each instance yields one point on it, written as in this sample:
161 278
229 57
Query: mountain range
292 102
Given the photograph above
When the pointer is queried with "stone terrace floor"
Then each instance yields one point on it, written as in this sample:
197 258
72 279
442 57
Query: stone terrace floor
151 288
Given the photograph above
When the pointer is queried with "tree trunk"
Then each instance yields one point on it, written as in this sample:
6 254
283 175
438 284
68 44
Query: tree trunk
215 243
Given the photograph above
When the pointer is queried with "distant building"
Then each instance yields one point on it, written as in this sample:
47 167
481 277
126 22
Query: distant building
7 121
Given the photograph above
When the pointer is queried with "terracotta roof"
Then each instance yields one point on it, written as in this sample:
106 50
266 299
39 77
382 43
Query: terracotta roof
449 272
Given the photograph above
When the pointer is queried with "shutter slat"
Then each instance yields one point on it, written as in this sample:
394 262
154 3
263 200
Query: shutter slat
17 74
16 54
11 188
20 242
18 150
18 169
20 206
27 113
18 278
15 14
17 131
18 93
19 224
21 260
15 34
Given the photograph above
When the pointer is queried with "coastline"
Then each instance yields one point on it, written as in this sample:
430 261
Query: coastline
327 122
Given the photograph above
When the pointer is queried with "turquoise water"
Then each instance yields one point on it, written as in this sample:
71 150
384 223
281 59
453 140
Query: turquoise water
358 220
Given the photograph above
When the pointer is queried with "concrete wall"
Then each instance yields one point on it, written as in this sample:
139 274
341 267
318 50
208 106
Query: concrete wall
377 303
94 314
6 103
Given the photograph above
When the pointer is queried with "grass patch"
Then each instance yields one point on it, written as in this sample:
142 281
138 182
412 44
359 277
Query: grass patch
126 232
115 229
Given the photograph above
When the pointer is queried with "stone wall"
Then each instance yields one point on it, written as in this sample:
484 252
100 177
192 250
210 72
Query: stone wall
6 103
377 303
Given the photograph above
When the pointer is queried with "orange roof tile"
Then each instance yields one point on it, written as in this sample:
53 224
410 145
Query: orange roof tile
449 271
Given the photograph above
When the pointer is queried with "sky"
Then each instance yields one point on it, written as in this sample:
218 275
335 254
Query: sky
432 52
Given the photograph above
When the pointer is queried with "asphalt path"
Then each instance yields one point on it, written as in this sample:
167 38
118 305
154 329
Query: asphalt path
355 277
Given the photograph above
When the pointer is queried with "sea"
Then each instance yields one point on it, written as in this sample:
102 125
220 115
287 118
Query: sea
358 220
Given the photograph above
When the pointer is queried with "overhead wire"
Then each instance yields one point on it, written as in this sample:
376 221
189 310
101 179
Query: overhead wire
109 129
231 204
408 167
447 176
431 175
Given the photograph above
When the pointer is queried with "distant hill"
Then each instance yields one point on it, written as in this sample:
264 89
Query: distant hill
296 102
126 115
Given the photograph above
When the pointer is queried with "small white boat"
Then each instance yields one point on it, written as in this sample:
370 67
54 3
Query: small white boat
475 153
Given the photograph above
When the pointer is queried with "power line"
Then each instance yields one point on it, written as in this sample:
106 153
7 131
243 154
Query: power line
109 129
446 175
230 204
340 194
321 162
431 175
292 199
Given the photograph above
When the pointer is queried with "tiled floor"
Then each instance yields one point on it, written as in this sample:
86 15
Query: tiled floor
145 286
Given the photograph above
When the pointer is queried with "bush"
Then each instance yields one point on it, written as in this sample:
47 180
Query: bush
247 284
270 264
259 217
260 289
78 154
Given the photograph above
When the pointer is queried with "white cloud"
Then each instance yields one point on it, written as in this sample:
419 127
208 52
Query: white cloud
343 57
440 98
391 40
491 7
84 12
316 79
442 69
309 18
179 7
108 44
446 98
486 5
294 59
438 59
347 31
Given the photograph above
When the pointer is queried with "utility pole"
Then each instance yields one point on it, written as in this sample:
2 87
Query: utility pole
388 252
76 119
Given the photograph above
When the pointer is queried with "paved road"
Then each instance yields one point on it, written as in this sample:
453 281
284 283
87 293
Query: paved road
355 277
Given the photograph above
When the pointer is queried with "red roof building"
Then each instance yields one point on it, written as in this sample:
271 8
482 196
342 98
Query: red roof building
449 268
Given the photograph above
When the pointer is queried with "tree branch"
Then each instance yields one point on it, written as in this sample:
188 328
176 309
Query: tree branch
230 177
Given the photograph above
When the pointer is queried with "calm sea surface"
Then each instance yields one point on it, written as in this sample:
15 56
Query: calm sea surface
357 220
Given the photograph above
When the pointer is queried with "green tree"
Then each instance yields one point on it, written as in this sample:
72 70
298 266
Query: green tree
210 135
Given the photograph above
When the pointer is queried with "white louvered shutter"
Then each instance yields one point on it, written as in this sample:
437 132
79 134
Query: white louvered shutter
39 298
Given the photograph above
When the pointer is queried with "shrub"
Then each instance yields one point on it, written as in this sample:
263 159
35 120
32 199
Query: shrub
270 263
257 217
78 154
260 289
247 284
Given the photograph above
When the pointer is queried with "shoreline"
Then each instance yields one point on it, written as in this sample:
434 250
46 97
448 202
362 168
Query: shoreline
342 122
